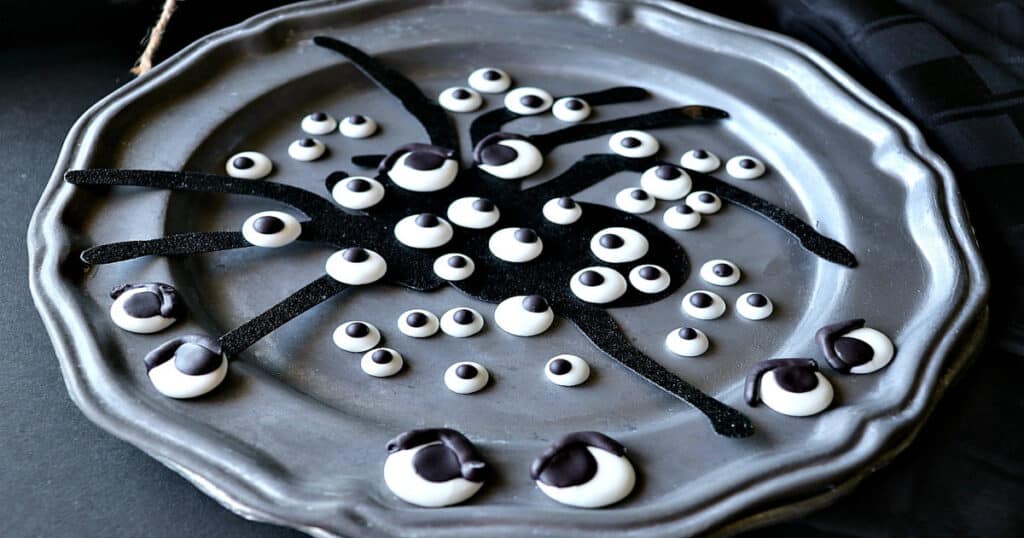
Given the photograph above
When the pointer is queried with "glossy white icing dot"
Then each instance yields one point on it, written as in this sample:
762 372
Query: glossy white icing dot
515 245
490 80
147 325
473 212
634 144
454 266
306 149
634 201
168 380
562 210
466 377
704 202
411 179
619 245
700 160
356 266
319 123
681 217
598 285
687 342
745 167
249 165
357 126
571 109
271 229
401 478
357 192
702 304
418 323
356 336
526 161
462 322
524 315
649 278
796 404
527 101
424 230
459 99
720 272
567 370
754 306
881 346
613 481
382 362
666 182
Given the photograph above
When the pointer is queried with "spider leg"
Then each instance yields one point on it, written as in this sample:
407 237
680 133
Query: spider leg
589 170
172 245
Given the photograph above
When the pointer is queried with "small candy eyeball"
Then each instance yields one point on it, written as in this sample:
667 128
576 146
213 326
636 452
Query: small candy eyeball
466 377
418 323
704 202
145 308
571 109
424 230
271 229
687 342
597 285
187 366
567 370
649 278
703 304
356 266
793 387
459 99
681 217
754 306
249 165
745 167
562 210
507 156
528 101
634 144
489 80
434 467
585 470
473 212
619 245
421 167
319 123
634 201
382 362
462 322
666 182
700 160
454 267
357 126
357 192
356 336
306 149
524 315
515 245
852 348
720 272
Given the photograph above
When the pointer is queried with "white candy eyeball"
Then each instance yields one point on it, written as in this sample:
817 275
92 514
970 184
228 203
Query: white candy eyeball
319 123
460 99
357 126
356 336
681 217
271 229
745 167
793 387
434 467
425 230
382 362
524 315
473 212
466 377
571 109
356 266
145 308
528 101
634 201
306 149
585 470
489 80
720 272
852 348
598 285
754 306
703 305
515 245
357 192
634 144
249 165
567 370
649 278
422 168
700 160
187 366
462 322
666 182
687 342
562 210
454 267
704 202
507 156
418 323
619 245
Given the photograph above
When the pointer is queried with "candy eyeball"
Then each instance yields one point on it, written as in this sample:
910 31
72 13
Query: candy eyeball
704 202
619 245
187 366
700 160
424 230
597 285
567 370
421 167
145 308
271 229
681 217
634 201
528 101
356 336
666 182
585 470
703 304
634 144
382 362
306 149
454 267
745 167
466 377
418 323
720 272
649 278
852 348
563 211
434 467
754 306
319 123
356 266
357 192
515 245
473 212
357 126
489 80
462 322
687 342
571 109
524 315
249 165
460 99
507 156
793 387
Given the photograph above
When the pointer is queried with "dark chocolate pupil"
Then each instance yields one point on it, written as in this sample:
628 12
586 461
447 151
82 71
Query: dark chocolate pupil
722 269
357 330
424 160
630 142
457 262
436 463
747 163
358 185
356 255
144 304
611 241
307 142
757 300
498 154
466 371
463 317
684 209
535 303
194 359
852 351
706 198
416 319
460 94
531 101
242 163
566 203
687 333
649 273
491 75
381 356
701 300
318 116
572 466
591 278
574 104
357 119
638 194
526 235
796 378
560 366
483 205
268 225
427 220
700 154
667 172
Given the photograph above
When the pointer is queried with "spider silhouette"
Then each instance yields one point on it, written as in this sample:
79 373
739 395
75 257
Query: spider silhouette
566 248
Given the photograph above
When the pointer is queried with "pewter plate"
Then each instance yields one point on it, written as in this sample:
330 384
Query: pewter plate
296 435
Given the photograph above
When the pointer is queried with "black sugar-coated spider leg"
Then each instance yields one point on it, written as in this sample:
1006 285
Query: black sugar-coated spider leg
430 115
172 245
589 170
237 340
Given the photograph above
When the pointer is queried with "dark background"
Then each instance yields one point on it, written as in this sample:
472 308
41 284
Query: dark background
955 67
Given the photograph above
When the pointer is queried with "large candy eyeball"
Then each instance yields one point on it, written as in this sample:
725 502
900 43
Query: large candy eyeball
792 387
744 167
145 308
634 144
524 315
852 348
306 149
249 165
666 182
527 101
357 192
703 305
598 285
382 362
515 245
584 469
187 366
562 210
356 266
418 323
271 229
356 336
571 109
619 245
421 167
357 126
649 278
460 99
454 267
567 370
681 217
700 160
687 342
473 212
634 201
507 156
319 123
489 80
462 322
704 202
434 467
720 272
466 377
425 230
754 306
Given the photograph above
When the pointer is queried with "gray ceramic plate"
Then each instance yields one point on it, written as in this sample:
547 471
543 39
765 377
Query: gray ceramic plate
296 435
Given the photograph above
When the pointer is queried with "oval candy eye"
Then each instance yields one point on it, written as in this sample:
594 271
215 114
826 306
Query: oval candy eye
434 467
357 126
700 160
567 370
357 192
687 342
382 362
793 387
249 165
634 144
704 202
745 167
454 267
425 230
319 123
585 470
423 170
681 217
754 306
571 109
145 308
306 149
524 315
507 156
466 377
473 212
619 245
418 323
460 99
634 201
852 348
649 278
489 80
356 336
271 229
666 182
187 366
528 101
598 285
462 322
703 304
720 272
515 245
562 210
356 266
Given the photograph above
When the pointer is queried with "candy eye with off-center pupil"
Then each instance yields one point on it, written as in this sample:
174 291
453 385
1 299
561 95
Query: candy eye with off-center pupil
466 377
515 245
524 315
528 101
666 182
356 336
454 267
473 212
356 266
703 304
271 229
461 322
306 149
357 192
681 217
187 366
700 160
649 278
704 202
382 362
425 169
418 323
745 167
249 165
489 80
145 308
792 387
634 201
357 126
567 370
460 99
584 469
687 342
425 230
434 467
754 306
598 285
634 144
562 210
619 245
319 123
571 109
852 348
507 156
720 272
